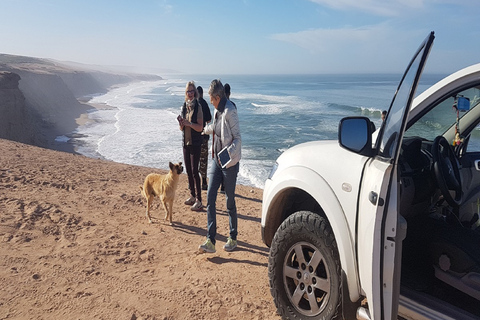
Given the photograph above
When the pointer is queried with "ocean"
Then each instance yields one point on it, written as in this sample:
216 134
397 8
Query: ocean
276 112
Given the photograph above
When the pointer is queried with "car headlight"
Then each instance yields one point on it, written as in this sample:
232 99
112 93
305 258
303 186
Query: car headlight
274 168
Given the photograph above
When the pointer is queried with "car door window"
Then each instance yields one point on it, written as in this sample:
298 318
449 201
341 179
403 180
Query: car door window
434 123
474 142
394 121
473 94
445 119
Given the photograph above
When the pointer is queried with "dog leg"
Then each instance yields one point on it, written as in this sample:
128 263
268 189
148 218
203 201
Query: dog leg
171 210
168 215
149 203
165 208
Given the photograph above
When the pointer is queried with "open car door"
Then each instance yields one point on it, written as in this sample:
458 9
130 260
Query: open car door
380 231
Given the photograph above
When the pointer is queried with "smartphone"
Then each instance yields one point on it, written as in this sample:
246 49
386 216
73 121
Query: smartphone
180 119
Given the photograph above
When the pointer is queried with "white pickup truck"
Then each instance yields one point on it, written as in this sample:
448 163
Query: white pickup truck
383 224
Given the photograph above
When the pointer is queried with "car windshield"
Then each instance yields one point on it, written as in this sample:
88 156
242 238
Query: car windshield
442 118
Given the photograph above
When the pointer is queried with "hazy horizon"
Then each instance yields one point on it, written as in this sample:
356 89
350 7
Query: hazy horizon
166 72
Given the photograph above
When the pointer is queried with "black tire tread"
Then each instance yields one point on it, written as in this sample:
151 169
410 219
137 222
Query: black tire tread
297 224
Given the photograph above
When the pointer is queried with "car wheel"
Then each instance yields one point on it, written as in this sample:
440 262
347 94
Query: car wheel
304 268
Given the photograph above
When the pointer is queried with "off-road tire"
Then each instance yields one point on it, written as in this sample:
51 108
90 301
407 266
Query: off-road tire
311 234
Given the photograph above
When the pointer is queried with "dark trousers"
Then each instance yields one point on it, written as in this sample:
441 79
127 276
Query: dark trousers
191 156
204 158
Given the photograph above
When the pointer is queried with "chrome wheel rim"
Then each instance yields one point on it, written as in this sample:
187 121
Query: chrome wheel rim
306 278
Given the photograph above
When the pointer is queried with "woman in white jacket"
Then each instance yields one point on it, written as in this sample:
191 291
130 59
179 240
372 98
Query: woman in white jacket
225 129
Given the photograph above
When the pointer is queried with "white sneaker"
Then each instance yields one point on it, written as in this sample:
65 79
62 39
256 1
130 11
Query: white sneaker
207 247
230 245
190 201
197 206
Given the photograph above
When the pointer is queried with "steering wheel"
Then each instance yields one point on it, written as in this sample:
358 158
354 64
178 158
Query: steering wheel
447 171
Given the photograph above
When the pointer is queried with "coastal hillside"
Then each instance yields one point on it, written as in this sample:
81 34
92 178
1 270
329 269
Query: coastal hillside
15 122
40 99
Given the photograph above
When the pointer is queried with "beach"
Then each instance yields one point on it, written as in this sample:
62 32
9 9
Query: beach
75 244
75 241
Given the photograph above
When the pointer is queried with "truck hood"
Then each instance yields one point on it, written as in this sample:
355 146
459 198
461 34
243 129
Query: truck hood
336 165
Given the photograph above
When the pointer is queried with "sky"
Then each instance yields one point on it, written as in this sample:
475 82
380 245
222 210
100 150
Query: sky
244 36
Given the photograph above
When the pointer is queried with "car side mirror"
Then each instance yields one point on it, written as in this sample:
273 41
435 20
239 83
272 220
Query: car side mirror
355 134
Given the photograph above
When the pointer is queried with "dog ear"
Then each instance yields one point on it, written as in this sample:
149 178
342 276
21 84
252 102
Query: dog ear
180 163
171 165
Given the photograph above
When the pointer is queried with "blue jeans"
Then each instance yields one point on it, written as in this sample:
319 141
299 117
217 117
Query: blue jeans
229 177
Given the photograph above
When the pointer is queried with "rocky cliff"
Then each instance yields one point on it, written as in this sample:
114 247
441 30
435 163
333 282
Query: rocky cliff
39 98
15 119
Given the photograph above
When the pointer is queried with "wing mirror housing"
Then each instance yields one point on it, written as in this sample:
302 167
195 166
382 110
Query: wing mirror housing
355 134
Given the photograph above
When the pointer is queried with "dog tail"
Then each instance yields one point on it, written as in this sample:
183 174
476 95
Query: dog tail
143 192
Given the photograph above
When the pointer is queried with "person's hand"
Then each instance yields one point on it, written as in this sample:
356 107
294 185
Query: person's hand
180 122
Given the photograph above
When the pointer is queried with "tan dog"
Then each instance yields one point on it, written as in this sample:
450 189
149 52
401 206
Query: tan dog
163 186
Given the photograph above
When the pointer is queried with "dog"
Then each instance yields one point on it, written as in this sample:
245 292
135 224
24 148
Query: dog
163 186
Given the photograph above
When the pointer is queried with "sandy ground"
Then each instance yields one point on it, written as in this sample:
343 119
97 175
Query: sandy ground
75 244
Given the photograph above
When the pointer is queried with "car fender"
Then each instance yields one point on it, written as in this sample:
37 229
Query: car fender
318 188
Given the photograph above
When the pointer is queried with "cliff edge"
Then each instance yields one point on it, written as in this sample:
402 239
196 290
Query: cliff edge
39 98
16 121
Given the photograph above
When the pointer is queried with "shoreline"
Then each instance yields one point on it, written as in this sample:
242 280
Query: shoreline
139 128
83 119
71 146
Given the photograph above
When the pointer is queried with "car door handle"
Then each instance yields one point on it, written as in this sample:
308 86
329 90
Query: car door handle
373 197
477 165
